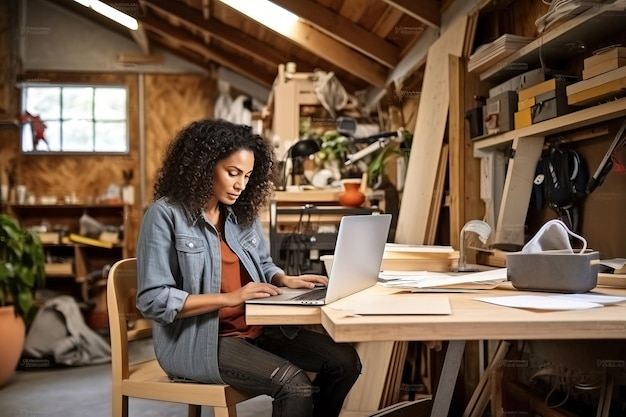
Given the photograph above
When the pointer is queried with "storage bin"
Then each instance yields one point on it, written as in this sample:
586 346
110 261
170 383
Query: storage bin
553 271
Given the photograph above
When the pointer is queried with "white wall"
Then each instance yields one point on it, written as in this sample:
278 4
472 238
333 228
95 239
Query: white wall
51 38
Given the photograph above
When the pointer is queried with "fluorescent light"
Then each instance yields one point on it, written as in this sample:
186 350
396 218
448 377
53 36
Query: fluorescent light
110 12
266 13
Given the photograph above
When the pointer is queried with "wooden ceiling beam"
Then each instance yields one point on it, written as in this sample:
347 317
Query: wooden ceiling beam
426 11
343 30
333 51
182 39
388 21
212 27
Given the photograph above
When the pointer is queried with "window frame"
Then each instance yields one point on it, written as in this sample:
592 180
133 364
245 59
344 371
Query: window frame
93 121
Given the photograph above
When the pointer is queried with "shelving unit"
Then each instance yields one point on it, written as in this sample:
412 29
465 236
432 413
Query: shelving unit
78 262
516 153
561 43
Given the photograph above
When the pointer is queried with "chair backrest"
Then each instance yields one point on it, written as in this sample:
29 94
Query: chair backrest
125 322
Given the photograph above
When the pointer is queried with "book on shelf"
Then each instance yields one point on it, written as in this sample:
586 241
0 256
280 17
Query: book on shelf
73 237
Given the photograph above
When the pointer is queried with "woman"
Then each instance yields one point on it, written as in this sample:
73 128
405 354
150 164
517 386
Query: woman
201 254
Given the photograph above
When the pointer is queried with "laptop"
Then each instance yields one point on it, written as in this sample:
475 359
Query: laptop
356 263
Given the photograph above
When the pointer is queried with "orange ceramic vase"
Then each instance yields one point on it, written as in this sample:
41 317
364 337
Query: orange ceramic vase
352 195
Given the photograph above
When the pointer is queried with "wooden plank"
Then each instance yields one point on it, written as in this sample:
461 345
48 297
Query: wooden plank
597 81
603 67
366 393
518 186
428 135
456 139
598 93
436 202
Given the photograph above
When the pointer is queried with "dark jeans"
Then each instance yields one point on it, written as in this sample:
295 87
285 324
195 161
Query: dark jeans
274 365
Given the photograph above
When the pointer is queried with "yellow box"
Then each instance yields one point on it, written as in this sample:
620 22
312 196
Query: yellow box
525 104
535 90
523 118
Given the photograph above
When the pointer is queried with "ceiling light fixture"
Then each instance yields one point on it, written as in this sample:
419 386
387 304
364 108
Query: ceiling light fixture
266 13
110 12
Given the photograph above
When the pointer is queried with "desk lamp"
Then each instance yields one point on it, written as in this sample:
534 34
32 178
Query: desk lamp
482 229
299 150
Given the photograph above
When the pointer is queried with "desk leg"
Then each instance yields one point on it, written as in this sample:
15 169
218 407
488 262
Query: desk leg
447 381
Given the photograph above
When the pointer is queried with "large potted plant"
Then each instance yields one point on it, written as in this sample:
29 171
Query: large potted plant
22 271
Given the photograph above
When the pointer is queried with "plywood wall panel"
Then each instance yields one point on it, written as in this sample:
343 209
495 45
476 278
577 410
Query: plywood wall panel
171 103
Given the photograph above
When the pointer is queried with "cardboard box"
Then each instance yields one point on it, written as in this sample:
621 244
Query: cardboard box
553 271
617 52
49 238
532 77
605 86
541 88
603 67
499 112
59 269
550 105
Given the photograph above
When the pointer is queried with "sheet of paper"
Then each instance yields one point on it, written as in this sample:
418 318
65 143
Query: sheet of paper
593 298
395 304
615 263
537 302
419 279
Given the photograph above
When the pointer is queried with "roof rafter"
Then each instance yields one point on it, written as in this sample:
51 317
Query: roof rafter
343 30
212 27
336 53
426 11
184 40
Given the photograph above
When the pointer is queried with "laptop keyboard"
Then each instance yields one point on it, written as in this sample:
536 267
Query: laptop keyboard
316 294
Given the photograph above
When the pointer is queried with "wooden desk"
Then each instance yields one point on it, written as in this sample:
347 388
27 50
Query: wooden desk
470 320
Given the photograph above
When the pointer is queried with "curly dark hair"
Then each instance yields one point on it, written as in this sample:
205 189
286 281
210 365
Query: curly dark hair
186 175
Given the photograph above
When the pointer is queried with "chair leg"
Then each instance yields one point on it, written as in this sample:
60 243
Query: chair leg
194 410
230 411
119 406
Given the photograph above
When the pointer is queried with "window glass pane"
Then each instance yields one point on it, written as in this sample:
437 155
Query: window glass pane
111 137
77 136
77 118
110 104
44 102
78 103
53 136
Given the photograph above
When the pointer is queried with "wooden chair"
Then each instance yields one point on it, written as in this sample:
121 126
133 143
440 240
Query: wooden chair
146 379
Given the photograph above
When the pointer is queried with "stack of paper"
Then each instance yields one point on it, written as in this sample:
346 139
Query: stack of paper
490 54
419 257
434 281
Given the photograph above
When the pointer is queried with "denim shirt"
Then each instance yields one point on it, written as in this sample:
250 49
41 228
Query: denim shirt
176 258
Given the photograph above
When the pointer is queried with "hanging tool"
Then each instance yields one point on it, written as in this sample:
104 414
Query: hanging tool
607 162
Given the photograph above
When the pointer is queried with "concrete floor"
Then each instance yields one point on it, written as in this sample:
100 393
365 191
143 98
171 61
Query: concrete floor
85 391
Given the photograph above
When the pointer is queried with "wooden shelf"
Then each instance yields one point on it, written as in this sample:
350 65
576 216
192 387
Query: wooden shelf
570 121
72 277
560 43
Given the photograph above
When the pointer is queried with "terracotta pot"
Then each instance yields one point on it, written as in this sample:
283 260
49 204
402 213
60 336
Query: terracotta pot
12 337
352 195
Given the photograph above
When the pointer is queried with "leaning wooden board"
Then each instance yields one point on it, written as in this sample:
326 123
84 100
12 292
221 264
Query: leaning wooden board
428 136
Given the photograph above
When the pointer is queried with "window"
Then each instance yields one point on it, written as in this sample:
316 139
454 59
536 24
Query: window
74 119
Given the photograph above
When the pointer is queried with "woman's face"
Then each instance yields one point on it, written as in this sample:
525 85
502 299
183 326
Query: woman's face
231 176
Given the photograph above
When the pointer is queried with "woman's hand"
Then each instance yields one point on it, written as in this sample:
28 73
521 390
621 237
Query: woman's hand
299 281
252 290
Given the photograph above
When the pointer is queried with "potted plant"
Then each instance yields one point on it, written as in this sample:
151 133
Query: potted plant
22 271
376 167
